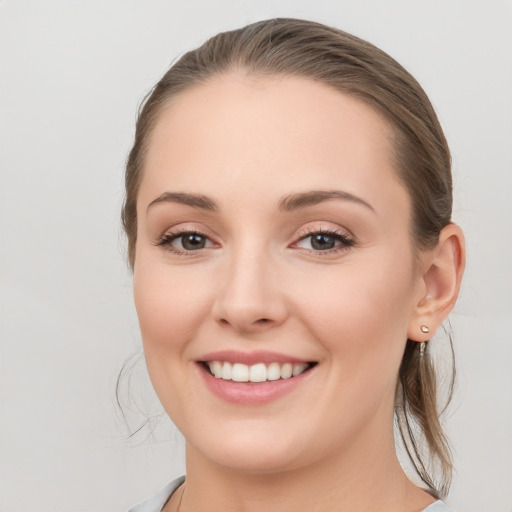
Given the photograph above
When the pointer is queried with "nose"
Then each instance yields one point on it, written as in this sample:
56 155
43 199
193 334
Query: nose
250 298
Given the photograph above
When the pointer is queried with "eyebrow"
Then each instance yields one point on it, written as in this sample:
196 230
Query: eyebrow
287 203
305 199
194 200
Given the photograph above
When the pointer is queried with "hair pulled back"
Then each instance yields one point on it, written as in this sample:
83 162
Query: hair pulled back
290 47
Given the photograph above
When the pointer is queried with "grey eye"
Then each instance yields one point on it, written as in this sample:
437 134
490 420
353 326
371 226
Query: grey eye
322 242
192 241
325 242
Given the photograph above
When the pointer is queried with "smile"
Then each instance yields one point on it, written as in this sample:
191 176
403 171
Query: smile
260 372
253 378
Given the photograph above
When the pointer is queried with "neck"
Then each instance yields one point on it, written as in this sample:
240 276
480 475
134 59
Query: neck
365 479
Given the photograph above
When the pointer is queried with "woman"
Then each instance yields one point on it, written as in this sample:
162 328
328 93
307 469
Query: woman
288 212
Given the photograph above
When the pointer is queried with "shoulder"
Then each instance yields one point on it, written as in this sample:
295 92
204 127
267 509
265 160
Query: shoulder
438 506
157 502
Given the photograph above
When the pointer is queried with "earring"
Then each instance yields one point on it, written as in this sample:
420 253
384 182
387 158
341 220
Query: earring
424 329
423 345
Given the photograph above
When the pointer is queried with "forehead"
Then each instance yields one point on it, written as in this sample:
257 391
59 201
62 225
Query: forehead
268 134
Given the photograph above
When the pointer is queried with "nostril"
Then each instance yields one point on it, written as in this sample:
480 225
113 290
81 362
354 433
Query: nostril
246 324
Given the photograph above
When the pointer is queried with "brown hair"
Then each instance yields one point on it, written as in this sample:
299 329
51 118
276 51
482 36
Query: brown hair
422 159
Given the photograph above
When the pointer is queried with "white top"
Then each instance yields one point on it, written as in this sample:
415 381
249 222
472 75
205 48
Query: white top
157 502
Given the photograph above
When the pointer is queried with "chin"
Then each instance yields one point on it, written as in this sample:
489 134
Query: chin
257 463
251 450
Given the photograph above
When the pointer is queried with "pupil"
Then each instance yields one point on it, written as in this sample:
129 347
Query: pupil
193 241
322 242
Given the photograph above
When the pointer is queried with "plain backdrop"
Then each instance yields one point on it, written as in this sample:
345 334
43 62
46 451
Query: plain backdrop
72 74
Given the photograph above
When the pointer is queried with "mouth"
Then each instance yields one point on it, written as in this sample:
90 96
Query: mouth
253 378
256 373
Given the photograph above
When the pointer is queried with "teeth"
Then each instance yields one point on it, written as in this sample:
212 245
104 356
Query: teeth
257 372
216 369
273 371
226 371
298 369
286 370
240 372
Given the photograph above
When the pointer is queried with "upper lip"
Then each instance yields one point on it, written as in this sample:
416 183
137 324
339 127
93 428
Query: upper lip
250 358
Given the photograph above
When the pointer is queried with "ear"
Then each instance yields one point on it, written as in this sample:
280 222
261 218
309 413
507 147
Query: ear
442 270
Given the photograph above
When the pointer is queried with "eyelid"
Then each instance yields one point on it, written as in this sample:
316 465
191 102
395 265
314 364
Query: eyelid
344 236
312 228
327 228
186 227
171 234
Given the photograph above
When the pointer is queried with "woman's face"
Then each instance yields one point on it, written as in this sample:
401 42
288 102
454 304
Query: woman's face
274 237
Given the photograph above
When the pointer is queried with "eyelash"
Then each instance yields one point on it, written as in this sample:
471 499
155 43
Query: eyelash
166 240
345 241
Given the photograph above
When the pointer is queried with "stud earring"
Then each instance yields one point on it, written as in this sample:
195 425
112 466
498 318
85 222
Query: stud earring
424 329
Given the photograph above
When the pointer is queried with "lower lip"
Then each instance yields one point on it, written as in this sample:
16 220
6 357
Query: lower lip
251 393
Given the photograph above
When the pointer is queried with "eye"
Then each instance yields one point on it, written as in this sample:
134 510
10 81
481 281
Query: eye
184 242
325 241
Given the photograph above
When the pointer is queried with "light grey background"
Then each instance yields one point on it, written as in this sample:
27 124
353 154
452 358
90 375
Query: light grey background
72 74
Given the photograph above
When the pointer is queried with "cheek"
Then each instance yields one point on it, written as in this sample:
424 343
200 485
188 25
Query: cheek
362 316
169 308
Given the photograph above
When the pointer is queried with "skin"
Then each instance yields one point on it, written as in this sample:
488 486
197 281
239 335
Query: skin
260 284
